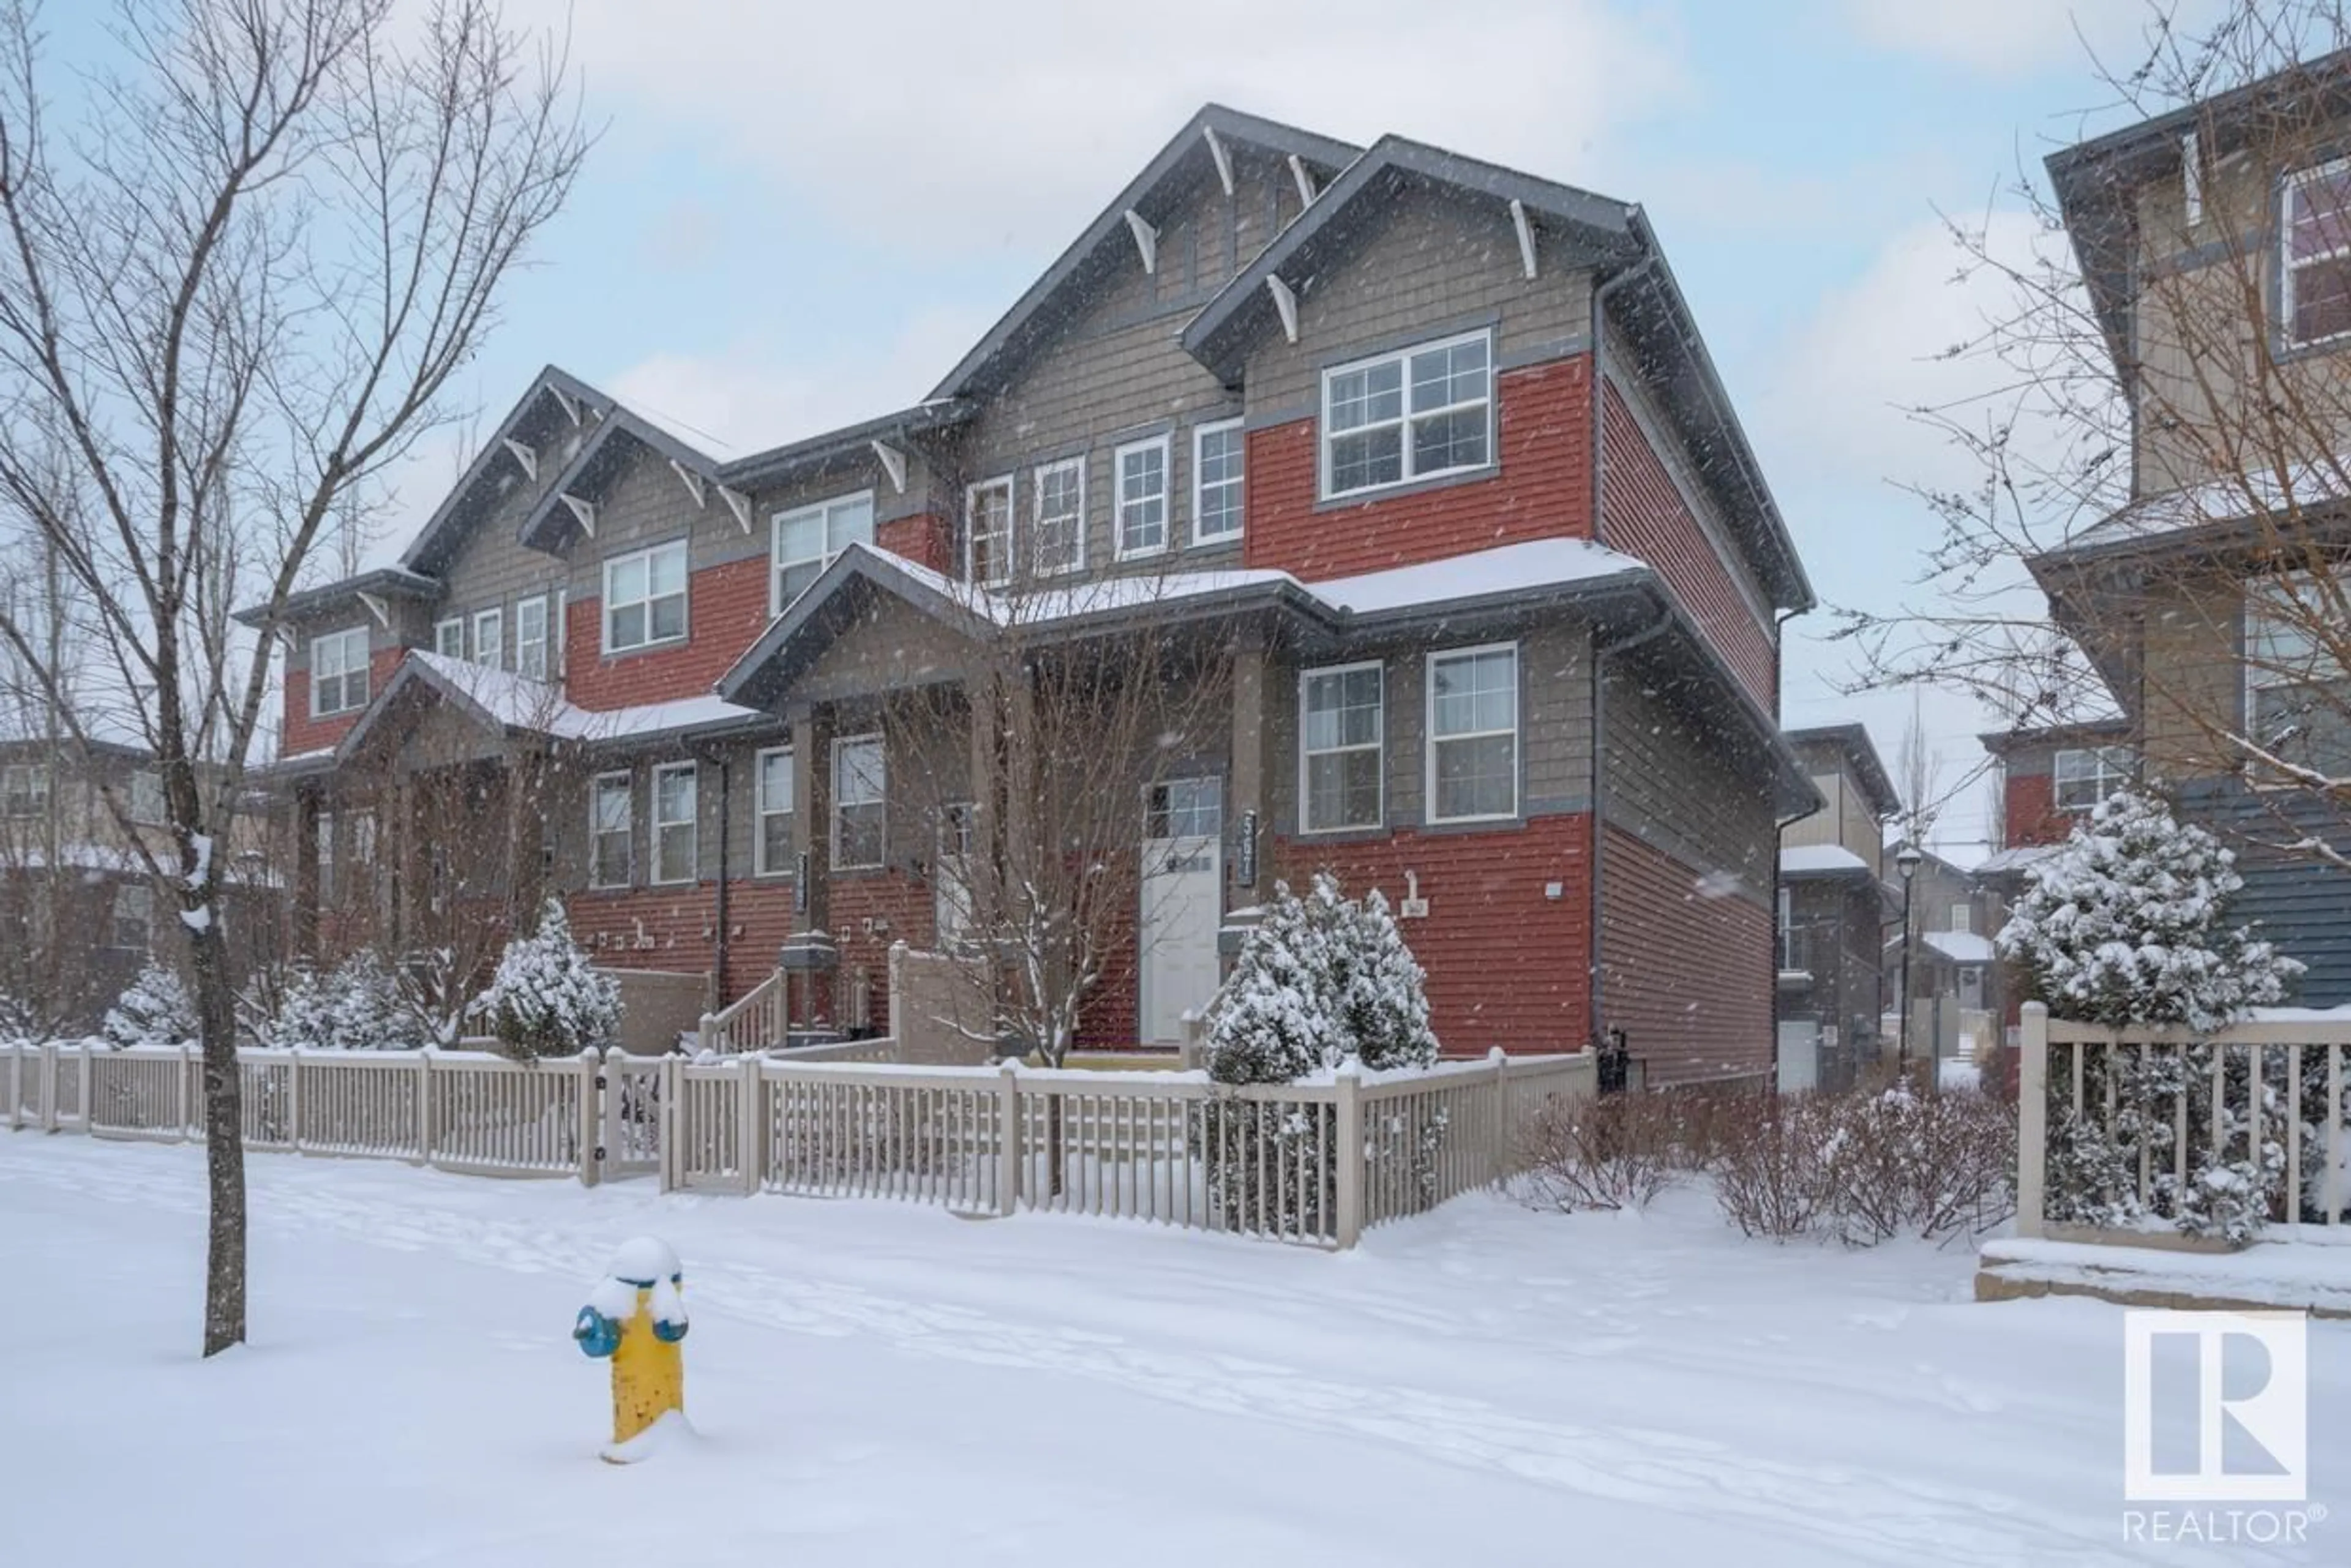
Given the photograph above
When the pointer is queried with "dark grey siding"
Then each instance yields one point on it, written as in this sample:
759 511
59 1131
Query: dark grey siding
2300 902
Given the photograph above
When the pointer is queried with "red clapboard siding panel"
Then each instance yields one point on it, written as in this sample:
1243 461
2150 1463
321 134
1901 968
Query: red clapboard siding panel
1646 517
666 928
2032 811
1506 965
304 733
726 608
922 539
759 916
905 904
1542 488
1686 973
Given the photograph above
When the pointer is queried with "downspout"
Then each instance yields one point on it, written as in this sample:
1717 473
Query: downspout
1779 830
1596 794
718 936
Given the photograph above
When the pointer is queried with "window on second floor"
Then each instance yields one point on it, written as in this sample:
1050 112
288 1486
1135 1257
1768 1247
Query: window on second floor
25 790
449 637
2316 271
1058 532
339 671
1473 734
1142 470
644 597
677 836
1409 415
147 796
806 539
611 826
775 811
1217 456
2297 690
530 638
1340 724
859 802
2087 775
489 638
987 532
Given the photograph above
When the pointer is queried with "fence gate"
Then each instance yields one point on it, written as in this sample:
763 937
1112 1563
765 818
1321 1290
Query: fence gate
631 1142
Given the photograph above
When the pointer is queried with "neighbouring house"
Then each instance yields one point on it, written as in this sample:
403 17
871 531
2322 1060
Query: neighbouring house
2210 597
1833 909
1952 982
1423 458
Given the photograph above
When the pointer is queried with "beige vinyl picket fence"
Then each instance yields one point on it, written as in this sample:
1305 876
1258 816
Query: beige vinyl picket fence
1315 1163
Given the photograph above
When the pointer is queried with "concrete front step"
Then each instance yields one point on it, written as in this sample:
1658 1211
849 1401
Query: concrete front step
2313 1275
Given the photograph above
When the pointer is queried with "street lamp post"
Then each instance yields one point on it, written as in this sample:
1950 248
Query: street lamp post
1907 860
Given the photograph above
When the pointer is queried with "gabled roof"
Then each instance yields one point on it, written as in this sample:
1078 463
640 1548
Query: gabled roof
475 493
1617 242
599 460
1852 742
2088 731
1822 860
793 458
1182 158
387 582
505 704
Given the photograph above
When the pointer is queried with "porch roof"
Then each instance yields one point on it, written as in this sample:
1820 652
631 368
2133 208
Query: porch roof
509 704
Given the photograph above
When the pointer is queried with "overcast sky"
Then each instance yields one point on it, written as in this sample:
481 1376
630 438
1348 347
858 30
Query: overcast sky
804 213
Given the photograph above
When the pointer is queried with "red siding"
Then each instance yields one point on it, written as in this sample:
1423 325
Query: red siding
1543 489
2032 811
892 896
726 608
1645 517
1506 965
667 928
305 734
1685 974
922 537
759 916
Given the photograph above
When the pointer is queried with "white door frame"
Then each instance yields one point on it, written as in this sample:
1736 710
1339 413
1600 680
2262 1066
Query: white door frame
1154 852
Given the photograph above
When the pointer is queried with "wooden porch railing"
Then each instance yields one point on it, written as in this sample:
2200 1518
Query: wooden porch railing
753 1021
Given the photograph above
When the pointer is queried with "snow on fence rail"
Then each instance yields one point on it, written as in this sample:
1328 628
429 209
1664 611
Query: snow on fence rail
2152 1091
1315 1163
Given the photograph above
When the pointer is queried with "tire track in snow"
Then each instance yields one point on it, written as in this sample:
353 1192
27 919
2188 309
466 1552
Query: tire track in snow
1875 1515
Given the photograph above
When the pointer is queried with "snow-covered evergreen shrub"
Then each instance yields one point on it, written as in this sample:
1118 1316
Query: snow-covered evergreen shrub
2126 925
1382 992
155 1010
360 1005
547 999
1271 1023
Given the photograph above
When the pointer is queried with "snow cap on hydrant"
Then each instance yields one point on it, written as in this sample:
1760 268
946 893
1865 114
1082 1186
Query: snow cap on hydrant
636 1316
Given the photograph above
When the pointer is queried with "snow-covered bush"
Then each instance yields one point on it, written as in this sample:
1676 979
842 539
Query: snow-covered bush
155 1010
1382 990
2126 925
1869 1165
360 1005
547 999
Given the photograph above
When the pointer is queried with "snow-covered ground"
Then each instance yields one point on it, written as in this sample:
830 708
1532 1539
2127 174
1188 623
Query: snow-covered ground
883 1384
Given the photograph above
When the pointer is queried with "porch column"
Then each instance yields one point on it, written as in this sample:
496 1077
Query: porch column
306 873
807 983
980 869
1250 808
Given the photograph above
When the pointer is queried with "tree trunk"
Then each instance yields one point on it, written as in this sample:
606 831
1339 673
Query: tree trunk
223 1133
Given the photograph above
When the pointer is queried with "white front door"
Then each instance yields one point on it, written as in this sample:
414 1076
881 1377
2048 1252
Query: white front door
1183 902
951 877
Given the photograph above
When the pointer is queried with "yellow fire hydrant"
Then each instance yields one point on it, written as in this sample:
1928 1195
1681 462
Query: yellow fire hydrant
636 1316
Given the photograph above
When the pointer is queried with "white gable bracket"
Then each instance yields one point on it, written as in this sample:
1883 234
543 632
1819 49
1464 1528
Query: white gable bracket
1286 303
1305 181
570 405
1519 222
1222 155
524 456
739 504
692 480
377 608
894 464
584 512
1146 239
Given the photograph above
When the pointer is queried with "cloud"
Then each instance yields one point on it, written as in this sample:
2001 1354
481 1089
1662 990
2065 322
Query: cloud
1999 37
1019 118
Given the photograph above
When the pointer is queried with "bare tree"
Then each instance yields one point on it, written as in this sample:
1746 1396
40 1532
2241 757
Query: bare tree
232 297
2162 480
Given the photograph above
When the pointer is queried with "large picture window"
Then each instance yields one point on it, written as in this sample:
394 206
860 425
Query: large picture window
339 671
806 538
1216 464
1059 533
2297 691
644 597
1473 734
859 802
2317 266
2087 775
1340 725
609 828
675 835
775 811
987 532
1409 415
1142 470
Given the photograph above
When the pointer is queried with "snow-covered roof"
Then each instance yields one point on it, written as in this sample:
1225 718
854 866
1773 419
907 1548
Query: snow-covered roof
1481 574
2316 482
1960 946
2015 858
1821 859
518 701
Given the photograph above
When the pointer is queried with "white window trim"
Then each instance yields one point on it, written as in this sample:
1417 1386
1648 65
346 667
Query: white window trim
776 521
629 868
546 637
1323 433
759 812
833 827
559 629
366 655
495 621
1200 433
1305 798
1037 513
161 812
662 871
1164 445
1011 531
440 629
2294 183
1517 731
2057 780
606 607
